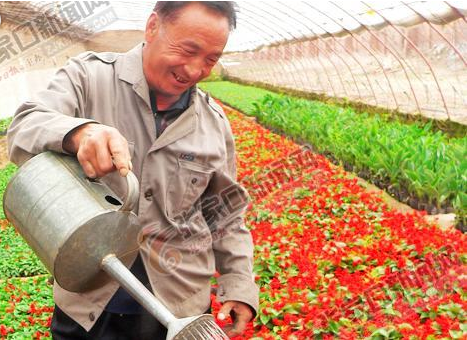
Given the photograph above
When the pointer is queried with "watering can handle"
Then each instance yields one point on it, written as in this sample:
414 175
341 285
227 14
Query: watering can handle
132 193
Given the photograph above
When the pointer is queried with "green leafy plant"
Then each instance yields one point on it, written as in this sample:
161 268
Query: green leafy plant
420 167
5 176
4 124
16 258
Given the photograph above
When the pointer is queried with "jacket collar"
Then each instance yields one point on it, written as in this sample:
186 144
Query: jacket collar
132 72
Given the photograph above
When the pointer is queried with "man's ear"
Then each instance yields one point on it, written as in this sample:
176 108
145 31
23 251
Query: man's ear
152 26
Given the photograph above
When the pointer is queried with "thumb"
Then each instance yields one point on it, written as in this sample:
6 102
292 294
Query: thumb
225 310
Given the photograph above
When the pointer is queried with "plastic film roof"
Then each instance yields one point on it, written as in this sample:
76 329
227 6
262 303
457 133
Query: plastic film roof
267 22
408 56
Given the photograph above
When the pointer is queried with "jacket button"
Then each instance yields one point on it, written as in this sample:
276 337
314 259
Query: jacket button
194 180
148 195
92 317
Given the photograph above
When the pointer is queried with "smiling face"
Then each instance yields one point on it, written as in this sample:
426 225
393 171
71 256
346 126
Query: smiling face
180 52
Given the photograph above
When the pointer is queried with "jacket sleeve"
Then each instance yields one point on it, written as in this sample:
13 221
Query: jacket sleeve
41 124
232 241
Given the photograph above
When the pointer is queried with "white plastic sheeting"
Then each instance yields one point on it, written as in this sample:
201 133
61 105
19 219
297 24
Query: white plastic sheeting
259 21
400 55
302 19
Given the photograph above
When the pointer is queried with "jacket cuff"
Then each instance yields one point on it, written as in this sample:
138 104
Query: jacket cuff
237 287
69 126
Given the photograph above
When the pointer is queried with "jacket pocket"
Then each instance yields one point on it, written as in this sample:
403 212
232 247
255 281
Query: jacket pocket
186 186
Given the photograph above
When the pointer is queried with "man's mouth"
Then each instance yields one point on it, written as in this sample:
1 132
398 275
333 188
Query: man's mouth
180 79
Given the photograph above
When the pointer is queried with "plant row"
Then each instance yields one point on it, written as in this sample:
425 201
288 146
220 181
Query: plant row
423 168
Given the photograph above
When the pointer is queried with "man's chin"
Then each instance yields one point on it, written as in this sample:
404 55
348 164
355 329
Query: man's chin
172 92
181 88
168 95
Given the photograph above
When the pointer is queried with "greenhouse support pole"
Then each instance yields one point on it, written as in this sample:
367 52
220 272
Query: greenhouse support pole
393 53
410 42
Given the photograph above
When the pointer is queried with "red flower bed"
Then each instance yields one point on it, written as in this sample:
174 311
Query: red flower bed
333 261
26 308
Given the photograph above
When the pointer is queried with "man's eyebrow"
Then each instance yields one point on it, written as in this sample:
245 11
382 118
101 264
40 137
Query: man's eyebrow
191 44
195 46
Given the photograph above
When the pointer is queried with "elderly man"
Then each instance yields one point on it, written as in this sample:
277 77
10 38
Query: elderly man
142 111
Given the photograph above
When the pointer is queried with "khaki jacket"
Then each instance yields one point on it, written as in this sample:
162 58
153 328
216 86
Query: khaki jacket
187 179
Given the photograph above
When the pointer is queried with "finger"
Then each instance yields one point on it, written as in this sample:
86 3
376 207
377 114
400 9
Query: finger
227 330
103 159
89 169
120 155
87 157
243 316
225 310
84 159
238 328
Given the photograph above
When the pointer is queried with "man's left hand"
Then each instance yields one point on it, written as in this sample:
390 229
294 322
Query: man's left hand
241 314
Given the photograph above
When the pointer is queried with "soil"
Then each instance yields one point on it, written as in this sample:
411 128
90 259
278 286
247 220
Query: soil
3 152
444 221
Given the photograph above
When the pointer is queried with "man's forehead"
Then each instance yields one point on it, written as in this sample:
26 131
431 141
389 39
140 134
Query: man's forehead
198 37
190 14
195 7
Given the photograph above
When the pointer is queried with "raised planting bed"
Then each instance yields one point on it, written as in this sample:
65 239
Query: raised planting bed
418 166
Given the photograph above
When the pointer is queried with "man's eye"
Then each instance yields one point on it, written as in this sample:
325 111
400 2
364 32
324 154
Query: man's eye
212 61
189 52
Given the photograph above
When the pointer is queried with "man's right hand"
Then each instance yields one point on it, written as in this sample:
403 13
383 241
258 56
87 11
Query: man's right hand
100 149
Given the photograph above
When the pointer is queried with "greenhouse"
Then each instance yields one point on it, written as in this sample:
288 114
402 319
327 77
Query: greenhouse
248 170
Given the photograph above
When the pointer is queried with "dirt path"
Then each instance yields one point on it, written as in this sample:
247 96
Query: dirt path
3 152
445 221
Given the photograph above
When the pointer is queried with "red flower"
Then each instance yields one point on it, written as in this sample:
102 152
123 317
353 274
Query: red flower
3 330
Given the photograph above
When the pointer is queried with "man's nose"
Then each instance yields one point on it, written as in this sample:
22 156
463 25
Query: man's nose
194 70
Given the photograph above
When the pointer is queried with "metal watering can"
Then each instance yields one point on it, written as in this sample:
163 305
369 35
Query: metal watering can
70 221
84 234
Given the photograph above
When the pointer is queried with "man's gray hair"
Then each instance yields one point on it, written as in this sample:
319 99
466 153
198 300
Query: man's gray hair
169 9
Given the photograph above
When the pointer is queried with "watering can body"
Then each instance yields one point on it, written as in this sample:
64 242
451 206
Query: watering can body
70 221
